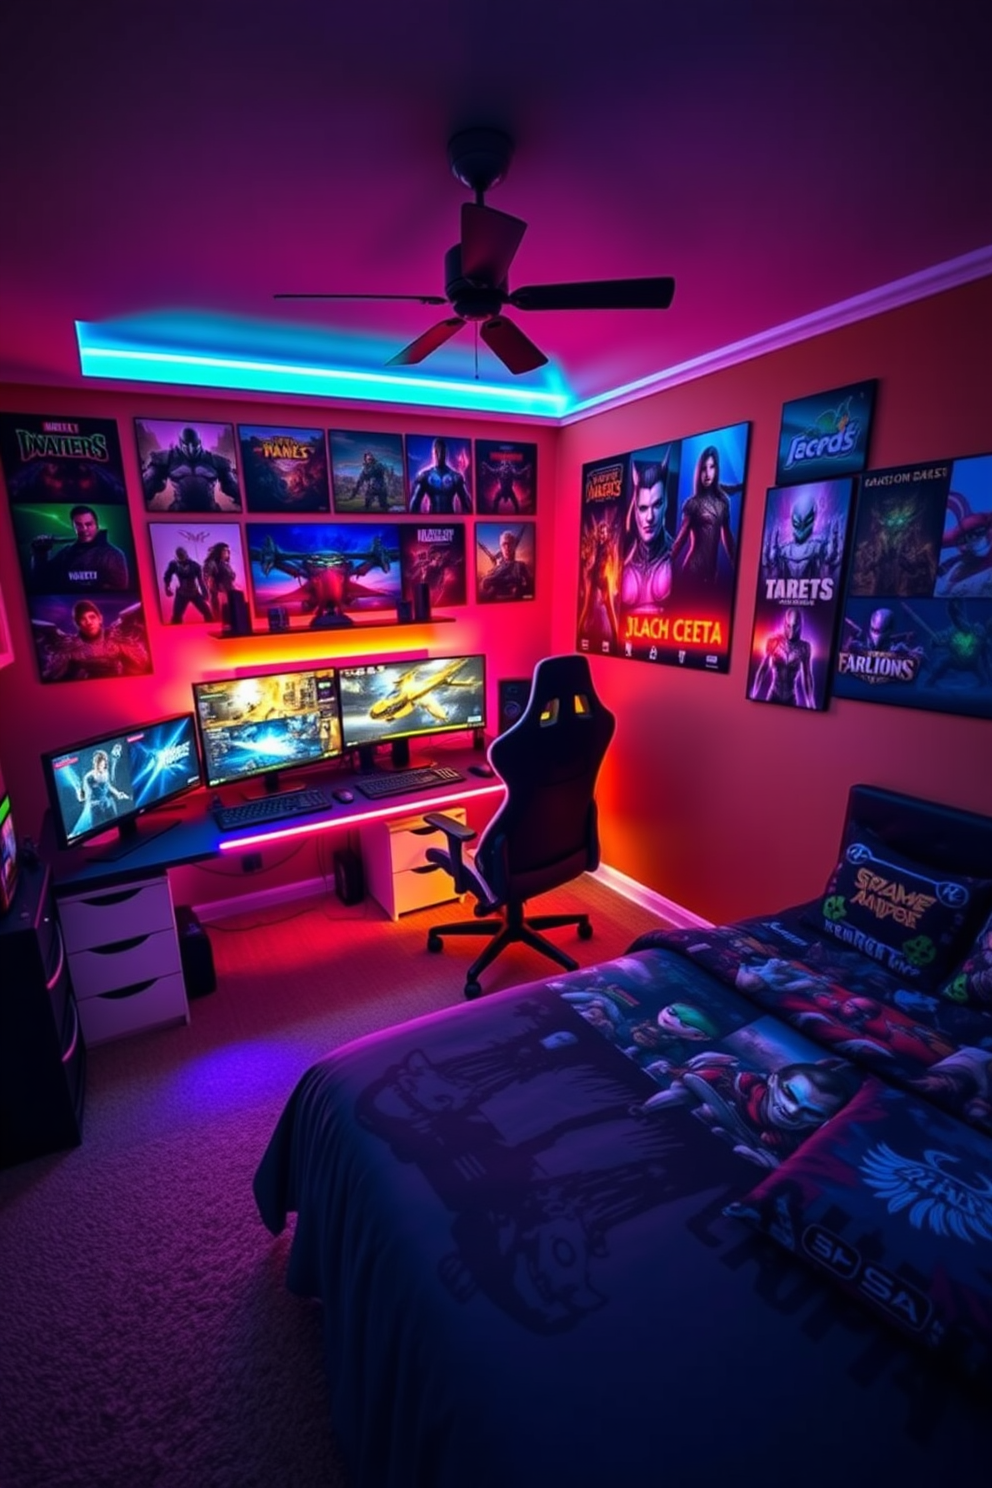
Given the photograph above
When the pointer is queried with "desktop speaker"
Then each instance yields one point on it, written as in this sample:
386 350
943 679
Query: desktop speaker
237 619
512 695
421 601
349 878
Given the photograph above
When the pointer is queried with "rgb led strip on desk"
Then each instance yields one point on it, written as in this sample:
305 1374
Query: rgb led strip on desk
418 801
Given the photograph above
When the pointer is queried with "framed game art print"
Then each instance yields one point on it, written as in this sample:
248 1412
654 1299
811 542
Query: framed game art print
916 625
439 475
825 435
197 566
367 475
188 465
803 542
285 469
505 477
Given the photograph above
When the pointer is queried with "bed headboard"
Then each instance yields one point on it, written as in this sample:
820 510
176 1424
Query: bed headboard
940 836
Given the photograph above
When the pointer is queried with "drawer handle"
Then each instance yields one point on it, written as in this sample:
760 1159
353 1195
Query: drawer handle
75 1032
132 991
118 946
58 970
428 868
120 897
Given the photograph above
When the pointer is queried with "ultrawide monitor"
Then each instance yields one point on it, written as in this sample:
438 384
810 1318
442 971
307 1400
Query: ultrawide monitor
263 723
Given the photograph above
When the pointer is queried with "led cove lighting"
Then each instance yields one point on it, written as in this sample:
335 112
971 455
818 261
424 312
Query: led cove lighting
133 364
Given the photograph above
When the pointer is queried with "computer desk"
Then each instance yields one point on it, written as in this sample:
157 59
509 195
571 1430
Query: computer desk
118 924
186 831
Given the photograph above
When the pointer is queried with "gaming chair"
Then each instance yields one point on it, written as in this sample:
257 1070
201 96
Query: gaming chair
545 833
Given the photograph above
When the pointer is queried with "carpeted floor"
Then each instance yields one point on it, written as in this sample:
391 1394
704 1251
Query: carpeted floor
146 1337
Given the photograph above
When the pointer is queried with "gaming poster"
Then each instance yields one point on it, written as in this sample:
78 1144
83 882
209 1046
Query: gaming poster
434 554
285 470
187 465
917 615
659 530
604 483
197 567
367 473
825 436
505 478
322 574
803 543
75 546
439 475
505 561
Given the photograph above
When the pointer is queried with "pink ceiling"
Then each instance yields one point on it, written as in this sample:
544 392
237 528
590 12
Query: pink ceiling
184 161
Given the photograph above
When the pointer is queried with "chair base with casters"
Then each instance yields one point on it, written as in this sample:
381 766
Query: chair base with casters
513 927
545 832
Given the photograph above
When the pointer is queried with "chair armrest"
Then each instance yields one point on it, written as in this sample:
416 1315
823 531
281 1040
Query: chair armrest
467 880
455 831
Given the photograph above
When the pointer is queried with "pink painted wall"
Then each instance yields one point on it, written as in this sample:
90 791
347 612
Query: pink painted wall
732 807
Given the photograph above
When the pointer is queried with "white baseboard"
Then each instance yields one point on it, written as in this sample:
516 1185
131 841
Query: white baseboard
666 909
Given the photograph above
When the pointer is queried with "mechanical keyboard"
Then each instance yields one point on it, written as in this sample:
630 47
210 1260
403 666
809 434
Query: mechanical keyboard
399 782
261 810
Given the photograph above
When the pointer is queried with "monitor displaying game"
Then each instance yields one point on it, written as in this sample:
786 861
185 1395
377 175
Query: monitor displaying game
109 781
391 702
264 723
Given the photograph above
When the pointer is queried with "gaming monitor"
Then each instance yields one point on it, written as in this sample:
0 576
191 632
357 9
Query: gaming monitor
262 723
392 702
112 779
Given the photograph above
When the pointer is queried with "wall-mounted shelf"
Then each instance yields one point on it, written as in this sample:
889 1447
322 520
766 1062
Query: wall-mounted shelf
336 630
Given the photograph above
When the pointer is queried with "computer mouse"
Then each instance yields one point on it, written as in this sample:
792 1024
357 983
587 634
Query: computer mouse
484 770
344 796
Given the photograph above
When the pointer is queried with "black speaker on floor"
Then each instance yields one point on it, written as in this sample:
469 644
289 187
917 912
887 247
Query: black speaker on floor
349 877
512 694
195 953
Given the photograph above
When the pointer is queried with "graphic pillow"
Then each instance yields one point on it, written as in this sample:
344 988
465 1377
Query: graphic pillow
893 1201
916 921
972 982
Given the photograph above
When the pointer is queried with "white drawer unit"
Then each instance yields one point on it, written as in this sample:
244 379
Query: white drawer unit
397 873
124 958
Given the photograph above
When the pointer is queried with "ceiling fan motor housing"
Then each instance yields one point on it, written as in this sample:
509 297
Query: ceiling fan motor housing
470 300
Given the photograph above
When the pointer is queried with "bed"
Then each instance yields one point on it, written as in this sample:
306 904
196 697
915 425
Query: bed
718 1211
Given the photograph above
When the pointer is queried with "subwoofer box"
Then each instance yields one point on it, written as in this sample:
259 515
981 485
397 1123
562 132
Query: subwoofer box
349 876
195 953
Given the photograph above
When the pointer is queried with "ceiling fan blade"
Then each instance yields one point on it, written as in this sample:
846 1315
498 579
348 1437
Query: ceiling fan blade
509 343
419 299
601 294
428 342
489 241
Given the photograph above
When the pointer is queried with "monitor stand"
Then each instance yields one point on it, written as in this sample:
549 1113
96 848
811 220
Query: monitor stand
129 837
399 751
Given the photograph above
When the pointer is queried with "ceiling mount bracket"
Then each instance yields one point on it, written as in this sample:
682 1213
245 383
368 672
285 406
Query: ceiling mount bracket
480 158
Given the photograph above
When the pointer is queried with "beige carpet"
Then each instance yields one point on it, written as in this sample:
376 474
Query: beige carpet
146 1337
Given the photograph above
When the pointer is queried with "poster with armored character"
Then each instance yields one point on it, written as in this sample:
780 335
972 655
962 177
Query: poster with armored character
187 465
366 471
506 477
803 543
917 612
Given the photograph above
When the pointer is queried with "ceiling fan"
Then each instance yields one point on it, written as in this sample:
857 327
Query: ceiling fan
476 268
